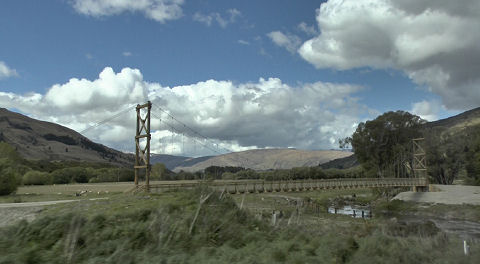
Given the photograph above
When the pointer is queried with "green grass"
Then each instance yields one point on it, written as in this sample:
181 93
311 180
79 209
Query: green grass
156 229
37 193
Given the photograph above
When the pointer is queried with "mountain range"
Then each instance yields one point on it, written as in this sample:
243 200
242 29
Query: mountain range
40 140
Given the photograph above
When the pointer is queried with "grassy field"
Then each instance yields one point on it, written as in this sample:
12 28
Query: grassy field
174 227
35 193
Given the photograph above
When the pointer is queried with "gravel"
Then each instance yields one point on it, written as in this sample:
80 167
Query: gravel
444 194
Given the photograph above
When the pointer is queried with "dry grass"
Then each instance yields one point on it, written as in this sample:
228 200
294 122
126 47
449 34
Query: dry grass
264 159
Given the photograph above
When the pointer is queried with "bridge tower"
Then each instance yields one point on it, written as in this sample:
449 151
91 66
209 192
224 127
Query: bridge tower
142 154
419 160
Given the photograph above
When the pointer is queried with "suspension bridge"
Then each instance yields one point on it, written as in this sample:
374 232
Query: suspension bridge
261 186
143 136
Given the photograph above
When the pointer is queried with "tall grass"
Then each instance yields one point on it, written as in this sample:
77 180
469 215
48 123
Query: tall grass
157 230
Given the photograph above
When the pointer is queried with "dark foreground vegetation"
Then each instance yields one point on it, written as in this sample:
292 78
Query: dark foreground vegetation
178 228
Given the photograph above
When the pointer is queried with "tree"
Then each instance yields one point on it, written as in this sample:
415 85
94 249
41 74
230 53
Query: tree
473 168
378 142
9 169
34 177
9 152
472 153
60 177
445 157
8 181
159 172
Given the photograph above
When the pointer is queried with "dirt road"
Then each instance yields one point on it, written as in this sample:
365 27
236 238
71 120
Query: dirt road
11 213
34 204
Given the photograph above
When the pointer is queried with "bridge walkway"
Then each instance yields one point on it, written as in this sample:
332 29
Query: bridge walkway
261 186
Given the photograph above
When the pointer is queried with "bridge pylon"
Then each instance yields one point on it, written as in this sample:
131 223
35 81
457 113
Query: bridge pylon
419 159
142 154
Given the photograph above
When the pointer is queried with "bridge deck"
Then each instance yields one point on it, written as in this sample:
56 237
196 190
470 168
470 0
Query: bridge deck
259 186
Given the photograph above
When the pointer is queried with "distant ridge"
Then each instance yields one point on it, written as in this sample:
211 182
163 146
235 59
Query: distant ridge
341 163
171 162
266 159
40 140
471 116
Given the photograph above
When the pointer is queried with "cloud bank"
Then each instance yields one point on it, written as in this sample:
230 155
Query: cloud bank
237 116
158 10
435 43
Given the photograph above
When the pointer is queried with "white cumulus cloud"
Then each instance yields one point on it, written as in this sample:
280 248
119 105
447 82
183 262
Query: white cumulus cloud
6 72
237 116
223 21
436 43
288 41
158 10
428 110
309 30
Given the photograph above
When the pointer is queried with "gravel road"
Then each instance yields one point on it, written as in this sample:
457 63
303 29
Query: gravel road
11 213
33 204
444 194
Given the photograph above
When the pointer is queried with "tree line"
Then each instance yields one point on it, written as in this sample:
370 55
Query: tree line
16 171
159 172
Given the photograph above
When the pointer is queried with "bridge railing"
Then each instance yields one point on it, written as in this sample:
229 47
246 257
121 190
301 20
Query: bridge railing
252 186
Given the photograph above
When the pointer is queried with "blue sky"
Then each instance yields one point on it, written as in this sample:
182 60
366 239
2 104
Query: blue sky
47 43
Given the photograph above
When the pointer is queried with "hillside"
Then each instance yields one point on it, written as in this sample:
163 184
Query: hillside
265 159
40 140
171 162
341 163
455 124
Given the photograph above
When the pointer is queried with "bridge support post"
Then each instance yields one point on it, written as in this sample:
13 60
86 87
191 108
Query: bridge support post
142 154
419 158
419 163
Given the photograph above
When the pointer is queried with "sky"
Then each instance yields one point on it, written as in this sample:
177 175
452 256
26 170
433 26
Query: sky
244 74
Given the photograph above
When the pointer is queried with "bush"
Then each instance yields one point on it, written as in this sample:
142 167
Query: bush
60 177
78 174
7 151
36 178
8 181
111 175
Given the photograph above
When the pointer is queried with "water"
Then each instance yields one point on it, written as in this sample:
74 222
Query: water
353 211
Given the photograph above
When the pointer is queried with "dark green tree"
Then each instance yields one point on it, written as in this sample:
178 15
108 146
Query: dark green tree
9 169
472 153
159 172
378 143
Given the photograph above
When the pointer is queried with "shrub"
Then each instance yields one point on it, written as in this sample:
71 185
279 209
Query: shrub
78 174
60 177
8 181
7 151
36 178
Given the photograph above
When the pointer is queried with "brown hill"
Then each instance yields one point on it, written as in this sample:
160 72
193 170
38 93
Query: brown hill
40 140
455 124
265 159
